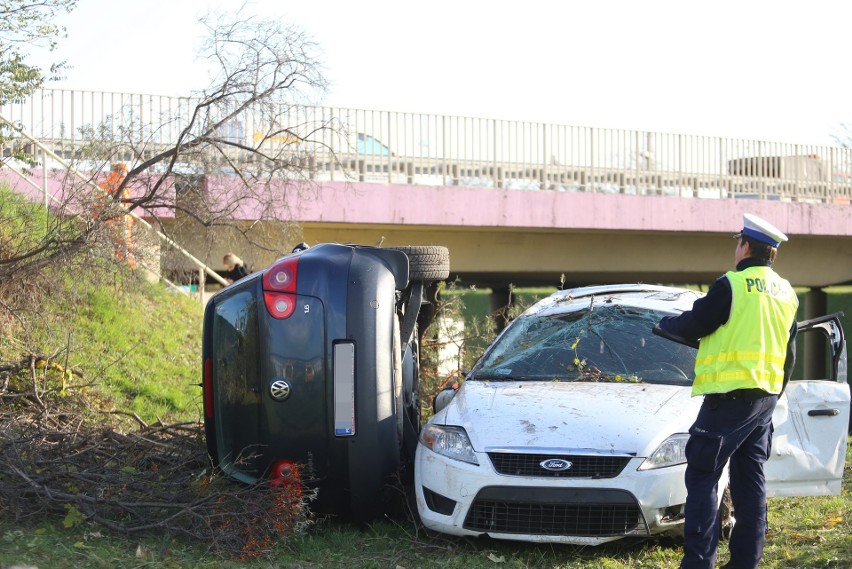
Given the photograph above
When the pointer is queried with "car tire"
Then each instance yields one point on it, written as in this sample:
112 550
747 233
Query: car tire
427 262
411 384
406 370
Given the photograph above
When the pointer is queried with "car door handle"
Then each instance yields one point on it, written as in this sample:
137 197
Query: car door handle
823 412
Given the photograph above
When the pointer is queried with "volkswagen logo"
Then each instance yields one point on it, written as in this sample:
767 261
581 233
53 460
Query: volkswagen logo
279 390
555 464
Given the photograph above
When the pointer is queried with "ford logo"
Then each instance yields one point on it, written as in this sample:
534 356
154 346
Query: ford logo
555 464
279 390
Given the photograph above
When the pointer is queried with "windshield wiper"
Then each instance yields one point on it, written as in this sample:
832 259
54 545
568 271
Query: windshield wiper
517 378
499 378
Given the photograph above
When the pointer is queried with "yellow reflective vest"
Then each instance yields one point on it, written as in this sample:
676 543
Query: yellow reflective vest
749 350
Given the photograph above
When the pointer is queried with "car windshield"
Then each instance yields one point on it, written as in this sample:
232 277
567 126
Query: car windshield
609 343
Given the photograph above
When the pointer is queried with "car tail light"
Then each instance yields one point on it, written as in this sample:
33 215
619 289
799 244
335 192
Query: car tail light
279 304
279 288
285 472
282 276
208 387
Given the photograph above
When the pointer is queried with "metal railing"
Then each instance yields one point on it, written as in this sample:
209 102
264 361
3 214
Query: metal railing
45 153
413 148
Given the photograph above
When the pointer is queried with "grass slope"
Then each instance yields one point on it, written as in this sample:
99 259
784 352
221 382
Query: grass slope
135 342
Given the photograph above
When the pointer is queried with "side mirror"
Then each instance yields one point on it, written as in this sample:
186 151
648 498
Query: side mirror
443 398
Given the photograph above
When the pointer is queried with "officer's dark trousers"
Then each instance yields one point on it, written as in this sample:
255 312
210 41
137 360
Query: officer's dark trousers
739 430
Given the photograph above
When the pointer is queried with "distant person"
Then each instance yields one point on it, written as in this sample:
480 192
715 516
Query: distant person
122 231
236 269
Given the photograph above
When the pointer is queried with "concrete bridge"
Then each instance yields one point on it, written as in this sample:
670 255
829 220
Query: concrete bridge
510 237
516 203
537 237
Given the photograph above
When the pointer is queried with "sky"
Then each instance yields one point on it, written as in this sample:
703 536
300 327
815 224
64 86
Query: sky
770 70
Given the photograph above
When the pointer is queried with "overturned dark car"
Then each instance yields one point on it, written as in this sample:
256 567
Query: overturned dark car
313 361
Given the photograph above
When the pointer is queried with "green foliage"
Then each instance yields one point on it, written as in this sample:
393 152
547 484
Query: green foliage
17 79
28 233
839 299
139 343
141 351
136 342
74 517
25 23
21 219
472 307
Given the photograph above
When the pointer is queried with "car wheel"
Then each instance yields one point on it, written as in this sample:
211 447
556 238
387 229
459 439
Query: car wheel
410 409
427 262
411 383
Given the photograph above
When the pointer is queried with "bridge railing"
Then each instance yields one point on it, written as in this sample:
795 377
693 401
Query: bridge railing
414 148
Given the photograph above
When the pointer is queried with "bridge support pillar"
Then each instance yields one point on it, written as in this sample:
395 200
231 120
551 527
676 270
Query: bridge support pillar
814 360
499 303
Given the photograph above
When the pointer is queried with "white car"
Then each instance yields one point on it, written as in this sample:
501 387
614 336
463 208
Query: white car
571 428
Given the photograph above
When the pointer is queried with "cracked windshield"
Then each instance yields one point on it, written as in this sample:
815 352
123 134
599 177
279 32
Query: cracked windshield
606 343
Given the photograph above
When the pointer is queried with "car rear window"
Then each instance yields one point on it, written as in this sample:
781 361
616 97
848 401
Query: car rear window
235 349
608 343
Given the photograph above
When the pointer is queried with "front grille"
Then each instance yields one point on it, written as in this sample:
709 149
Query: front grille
582 466
547 511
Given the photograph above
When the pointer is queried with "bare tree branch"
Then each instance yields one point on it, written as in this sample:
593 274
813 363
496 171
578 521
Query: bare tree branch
263 71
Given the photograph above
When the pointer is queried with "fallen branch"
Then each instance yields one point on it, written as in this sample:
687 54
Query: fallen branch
61 459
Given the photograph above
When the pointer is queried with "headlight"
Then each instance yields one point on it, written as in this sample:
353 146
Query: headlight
670 453
451 442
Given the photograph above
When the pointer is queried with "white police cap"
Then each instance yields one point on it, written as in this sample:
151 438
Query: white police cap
761 230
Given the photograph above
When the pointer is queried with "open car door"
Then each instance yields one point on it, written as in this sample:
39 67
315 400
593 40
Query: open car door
812 420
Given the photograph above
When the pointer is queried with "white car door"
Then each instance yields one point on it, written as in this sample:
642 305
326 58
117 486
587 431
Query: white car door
811 422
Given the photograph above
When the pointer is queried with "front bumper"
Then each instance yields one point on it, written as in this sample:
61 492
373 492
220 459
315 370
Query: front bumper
463 499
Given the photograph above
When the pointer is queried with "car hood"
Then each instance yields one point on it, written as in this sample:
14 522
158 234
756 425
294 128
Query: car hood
617 417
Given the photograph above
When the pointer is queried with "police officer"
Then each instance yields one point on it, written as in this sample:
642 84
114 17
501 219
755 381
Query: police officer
747 326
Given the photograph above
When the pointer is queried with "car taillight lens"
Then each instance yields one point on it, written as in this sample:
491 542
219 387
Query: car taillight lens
279 304
282 276
285 472
279 288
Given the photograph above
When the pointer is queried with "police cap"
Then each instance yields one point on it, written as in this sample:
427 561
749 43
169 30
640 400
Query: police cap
761 230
